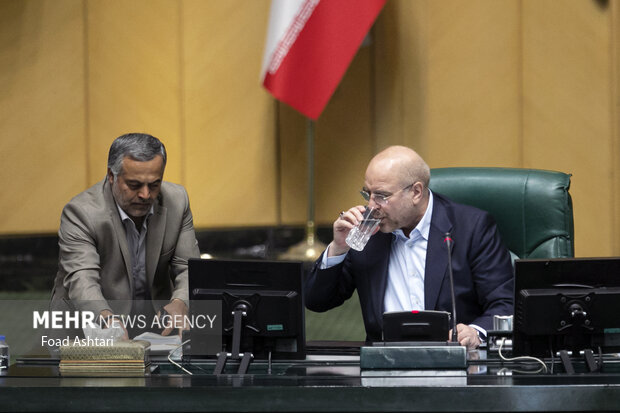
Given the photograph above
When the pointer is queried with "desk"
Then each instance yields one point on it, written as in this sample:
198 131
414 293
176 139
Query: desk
309 386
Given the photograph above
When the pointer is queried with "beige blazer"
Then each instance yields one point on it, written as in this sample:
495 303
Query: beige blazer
94 264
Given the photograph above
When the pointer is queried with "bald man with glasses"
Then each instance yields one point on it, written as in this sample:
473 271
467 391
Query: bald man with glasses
404 265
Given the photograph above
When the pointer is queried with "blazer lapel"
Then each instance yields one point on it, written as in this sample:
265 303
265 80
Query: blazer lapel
436 254
121 236
154 241
377 272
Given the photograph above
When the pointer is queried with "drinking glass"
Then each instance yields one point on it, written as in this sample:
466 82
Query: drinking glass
358 236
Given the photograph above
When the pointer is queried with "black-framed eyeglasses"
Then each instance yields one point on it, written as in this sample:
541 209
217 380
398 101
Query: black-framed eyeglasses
380 199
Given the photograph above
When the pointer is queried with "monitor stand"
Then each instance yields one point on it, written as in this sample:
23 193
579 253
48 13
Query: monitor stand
245 358
592 365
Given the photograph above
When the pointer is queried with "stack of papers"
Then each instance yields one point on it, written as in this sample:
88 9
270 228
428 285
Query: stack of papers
163 345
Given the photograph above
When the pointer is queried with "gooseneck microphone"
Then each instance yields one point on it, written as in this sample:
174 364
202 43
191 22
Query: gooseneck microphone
448 240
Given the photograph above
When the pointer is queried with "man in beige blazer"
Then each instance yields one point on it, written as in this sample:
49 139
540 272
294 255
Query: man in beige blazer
127 238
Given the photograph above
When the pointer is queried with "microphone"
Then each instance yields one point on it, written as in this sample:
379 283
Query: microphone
449 242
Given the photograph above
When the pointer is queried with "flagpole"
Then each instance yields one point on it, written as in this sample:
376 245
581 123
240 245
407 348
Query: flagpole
310 248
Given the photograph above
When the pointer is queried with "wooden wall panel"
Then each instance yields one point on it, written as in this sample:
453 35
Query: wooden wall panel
615 117
231 159
293 166
400 75
134 75
448 81
41 112
567 101
472 107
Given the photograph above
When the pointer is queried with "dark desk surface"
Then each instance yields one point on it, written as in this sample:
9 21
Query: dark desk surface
327 384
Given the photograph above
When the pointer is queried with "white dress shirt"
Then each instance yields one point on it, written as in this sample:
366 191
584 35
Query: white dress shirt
405 283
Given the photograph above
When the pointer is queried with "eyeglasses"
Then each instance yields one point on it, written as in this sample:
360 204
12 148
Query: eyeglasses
380 199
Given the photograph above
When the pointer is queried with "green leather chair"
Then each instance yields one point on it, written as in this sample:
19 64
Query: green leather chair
532 208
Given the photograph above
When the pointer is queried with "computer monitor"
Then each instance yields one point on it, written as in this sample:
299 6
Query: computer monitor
566 304
267 293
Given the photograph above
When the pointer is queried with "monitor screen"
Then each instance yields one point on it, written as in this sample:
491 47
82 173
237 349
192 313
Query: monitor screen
270 297
566 304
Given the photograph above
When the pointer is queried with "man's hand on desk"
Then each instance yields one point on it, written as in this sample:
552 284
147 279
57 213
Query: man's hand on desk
108 320
468 336
175 315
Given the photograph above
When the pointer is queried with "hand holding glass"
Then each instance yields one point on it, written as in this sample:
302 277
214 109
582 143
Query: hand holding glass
358 236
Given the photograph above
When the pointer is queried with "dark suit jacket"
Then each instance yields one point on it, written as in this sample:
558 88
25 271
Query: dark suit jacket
482 270
94 264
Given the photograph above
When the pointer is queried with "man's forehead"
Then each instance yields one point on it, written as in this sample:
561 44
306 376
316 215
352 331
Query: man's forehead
384 184
384 173
142 170
381 176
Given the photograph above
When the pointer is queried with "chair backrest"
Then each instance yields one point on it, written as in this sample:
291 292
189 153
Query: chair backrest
532 208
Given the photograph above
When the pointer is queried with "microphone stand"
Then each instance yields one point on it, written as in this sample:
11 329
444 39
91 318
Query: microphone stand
449 242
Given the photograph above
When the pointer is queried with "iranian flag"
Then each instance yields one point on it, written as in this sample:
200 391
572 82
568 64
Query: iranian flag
310 44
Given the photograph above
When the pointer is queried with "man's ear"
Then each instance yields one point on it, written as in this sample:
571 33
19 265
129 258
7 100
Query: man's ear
110 177
417 190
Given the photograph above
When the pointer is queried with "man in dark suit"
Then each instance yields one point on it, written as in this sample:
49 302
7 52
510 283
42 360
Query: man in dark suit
125 241
404 265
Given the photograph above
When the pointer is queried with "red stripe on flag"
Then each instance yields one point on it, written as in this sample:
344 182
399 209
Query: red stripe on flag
314 65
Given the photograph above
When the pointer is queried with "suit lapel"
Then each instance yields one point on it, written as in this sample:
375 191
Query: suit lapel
377 271
121 236
154 241
436 254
